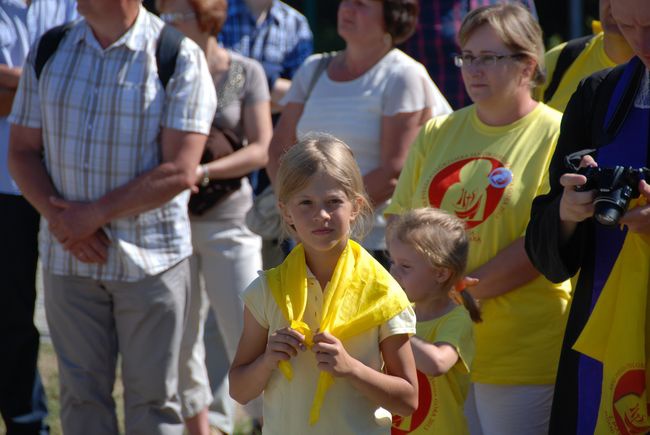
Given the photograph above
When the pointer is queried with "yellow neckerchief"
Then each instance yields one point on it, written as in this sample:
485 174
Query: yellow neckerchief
596 27
360 295
616 334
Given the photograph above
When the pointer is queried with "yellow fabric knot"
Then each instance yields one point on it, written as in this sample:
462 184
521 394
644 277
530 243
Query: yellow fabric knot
596 27
360 295
303 328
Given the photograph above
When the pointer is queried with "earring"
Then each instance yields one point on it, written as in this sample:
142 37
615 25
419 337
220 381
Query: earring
388 39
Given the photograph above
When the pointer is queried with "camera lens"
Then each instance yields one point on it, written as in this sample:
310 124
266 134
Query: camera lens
608 215
610 206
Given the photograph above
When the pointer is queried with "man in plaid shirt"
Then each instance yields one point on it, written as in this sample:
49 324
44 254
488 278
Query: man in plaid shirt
107 156
274 34
434 43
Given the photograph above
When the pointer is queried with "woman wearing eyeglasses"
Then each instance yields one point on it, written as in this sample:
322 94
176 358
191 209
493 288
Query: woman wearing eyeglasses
226 253
485 163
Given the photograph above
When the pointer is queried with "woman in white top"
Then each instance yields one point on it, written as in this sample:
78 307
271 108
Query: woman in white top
226 254
372 96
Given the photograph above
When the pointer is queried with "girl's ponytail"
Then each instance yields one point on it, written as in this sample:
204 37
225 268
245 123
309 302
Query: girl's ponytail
462 296
470 303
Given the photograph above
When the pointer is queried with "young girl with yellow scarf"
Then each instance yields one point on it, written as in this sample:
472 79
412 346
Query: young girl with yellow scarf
326 333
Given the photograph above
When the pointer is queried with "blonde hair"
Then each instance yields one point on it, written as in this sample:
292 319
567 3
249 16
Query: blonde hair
321 152
441 238
516 28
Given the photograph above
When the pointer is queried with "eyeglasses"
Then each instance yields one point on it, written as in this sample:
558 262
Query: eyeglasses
484 60
174 17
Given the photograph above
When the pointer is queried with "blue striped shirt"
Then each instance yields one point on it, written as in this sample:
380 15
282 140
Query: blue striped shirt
19 28
281 43
14 46
45 14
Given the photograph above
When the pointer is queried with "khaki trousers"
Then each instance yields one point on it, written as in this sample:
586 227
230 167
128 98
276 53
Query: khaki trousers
91 322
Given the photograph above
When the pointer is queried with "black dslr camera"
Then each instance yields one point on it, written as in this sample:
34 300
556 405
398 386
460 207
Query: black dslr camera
614 186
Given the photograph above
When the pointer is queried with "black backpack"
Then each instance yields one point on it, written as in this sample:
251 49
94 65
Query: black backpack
168 46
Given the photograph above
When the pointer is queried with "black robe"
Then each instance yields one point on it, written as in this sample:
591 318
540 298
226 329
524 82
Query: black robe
582 128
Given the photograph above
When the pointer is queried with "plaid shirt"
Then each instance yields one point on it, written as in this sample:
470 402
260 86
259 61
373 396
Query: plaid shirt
101 112
434 43
281 43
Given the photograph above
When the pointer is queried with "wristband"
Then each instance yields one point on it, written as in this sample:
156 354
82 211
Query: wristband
205 178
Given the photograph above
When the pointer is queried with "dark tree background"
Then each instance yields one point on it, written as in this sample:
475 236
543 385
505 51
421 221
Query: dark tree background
553 16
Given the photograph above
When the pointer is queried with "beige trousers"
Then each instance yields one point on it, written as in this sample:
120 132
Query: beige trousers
91 322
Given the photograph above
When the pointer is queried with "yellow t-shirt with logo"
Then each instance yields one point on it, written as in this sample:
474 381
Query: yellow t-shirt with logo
442 398
489 176
593 58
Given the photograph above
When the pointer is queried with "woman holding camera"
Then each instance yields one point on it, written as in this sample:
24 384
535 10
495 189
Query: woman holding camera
226 253
485 163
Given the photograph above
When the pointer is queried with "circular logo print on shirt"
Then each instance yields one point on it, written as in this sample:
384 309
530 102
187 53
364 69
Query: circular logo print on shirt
427 406
470 188
628 398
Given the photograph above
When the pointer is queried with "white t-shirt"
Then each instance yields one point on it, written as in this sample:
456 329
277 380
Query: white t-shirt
352 110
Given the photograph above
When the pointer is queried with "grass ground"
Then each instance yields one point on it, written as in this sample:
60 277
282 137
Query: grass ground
49 372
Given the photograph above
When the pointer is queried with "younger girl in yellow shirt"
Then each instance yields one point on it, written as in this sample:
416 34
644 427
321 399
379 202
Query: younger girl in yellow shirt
326 333
429 250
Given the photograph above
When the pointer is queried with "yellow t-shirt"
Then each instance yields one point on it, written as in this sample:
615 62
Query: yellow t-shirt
593 58
287 403
442 398
489 176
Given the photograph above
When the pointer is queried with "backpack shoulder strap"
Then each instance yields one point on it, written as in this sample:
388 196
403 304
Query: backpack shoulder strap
167 49
169 45
568 55
48 44
323 63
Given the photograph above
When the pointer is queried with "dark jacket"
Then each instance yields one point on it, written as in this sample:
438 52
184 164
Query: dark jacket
582 128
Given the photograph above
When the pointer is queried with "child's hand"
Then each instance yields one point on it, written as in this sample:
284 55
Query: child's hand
283 345
466 281
332 356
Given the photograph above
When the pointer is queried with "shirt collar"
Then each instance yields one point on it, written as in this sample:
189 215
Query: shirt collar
15 3
276 11
135 38
239 7
236 7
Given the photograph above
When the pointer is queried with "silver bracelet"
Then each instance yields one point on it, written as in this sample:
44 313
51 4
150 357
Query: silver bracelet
205 179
